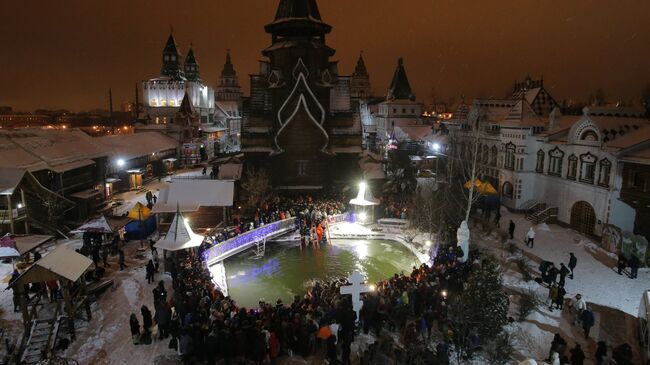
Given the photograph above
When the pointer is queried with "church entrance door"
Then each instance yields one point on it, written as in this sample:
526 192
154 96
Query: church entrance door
583 218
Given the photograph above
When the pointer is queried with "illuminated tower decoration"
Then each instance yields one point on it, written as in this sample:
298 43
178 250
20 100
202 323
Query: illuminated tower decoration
162 95
299 116
228 89
191 67
360 81
172 60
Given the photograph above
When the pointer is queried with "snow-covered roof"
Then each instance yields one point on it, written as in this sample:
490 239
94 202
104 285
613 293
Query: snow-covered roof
206 193
97 225
57 150
63 262
129 146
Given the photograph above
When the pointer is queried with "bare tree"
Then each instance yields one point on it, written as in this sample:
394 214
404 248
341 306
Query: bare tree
256 186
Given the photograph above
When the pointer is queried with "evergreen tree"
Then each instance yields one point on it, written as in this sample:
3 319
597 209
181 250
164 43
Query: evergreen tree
480 310
487 301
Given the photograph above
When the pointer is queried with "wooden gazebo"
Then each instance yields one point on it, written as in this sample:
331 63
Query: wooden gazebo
64 265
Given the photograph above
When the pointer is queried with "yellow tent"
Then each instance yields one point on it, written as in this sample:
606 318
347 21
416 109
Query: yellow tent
481 187
139 212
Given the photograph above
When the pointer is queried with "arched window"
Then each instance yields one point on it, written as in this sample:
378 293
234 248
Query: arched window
493 156
605 171
508 189
588 168
589 135
555 161
486 155
540 161
509 162
572 171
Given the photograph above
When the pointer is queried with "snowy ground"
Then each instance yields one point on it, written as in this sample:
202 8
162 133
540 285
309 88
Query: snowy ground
614 298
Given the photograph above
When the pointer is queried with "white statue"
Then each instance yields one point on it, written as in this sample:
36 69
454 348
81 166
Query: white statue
462 236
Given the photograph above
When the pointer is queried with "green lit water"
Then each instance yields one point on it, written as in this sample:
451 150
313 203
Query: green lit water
286 270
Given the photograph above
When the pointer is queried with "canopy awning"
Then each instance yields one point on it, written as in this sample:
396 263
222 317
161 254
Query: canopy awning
180 236
482 187
97 225
139 212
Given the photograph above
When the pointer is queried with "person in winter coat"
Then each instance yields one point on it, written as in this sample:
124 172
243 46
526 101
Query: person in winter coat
552 294
147 322
274 348
559 298
511 229
622 263
186 348
564 271
151 269
552 274
577 355
120 259
587 321
530 237
601 353
634 266
135 328
558 346
163 318
573 261
555 359
622 354
577 305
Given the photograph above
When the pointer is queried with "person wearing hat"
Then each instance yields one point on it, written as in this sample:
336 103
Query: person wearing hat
577 306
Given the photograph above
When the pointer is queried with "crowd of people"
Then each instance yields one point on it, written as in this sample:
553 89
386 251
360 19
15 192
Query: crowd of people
204 326
310 213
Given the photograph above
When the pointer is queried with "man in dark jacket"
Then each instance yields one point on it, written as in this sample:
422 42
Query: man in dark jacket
573 261
511 229
588 320
564 271
622 263
634 266
577 355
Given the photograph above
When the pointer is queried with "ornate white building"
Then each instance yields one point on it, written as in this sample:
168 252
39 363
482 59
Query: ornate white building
162 96
563 167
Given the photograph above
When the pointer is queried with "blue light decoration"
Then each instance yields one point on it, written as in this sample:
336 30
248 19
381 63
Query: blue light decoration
247 238
216 253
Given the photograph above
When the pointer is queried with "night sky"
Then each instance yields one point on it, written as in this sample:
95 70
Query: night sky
68 53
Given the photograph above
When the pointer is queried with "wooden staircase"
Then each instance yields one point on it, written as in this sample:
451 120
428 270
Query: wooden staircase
43 338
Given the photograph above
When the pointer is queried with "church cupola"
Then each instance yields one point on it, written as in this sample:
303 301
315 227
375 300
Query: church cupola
191 67
400 88
172 60
360 81
297 20
360 70
228 89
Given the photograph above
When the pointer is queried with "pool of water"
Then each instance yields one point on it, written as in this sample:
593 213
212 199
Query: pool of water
286 270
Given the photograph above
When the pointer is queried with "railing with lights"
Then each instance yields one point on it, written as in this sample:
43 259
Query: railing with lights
246 240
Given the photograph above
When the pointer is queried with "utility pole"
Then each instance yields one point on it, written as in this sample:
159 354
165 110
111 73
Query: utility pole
110 110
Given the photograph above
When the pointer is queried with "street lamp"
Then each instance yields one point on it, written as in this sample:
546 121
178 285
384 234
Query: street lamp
120 162
362 217
436 147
